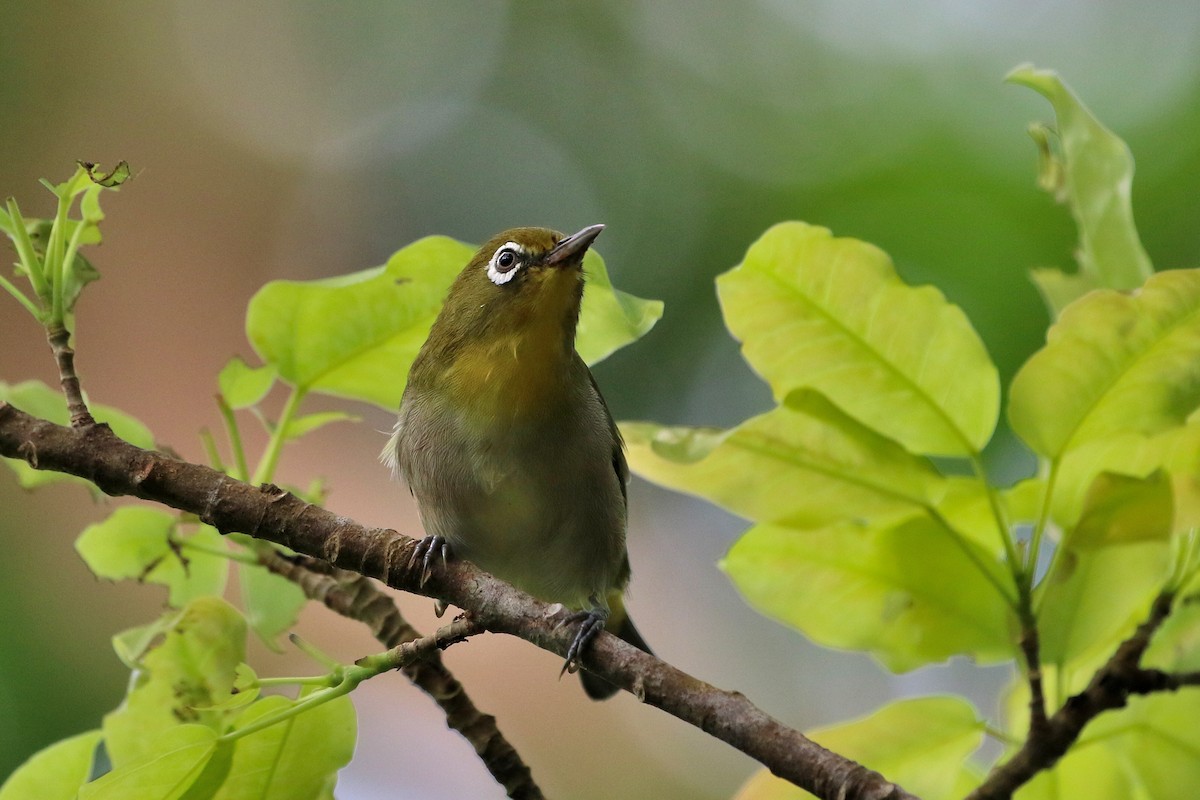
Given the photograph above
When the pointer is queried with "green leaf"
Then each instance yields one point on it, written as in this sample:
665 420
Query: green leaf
911 594
166 771
1120 509
1094 598
1096 170
610 318
308 423
921 743
294 758
1114 363
135 542
1176 450
272 602
1147 751
831 314
183 680
805 463
356 335
243 386
54 773
109 180
38 399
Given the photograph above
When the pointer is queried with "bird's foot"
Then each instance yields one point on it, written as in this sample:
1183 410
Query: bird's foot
426 553
591 622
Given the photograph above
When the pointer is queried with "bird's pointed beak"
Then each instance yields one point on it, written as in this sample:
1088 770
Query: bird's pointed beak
571 249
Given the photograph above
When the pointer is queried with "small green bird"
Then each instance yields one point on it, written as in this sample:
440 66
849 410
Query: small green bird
506 443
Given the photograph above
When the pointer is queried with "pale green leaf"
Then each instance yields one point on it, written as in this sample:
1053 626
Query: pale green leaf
308 423
921 743
610 318
1094 598
272 602
805 463
38 399
165 771
1120 509
136 542
243 386
185 678
1114 363
1085 772
357 335
294 758
831 314
1176 450
54 773
911 594
1096 168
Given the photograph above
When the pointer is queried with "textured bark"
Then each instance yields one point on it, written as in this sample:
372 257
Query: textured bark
355 597
272 514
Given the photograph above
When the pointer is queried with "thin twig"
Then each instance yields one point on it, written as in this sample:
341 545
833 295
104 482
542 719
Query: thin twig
1110 688
64 356
355 597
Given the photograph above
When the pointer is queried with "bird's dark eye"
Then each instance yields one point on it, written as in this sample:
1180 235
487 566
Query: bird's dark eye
505 263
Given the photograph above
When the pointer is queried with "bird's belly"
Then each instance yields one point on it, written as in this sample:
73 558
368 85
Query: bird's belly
550 521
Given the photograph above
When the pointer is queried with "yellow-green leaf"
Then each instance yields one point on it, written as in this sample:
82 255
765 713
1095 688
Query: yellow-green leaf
1094 598
1120 509
920 743
356 335
165 771
831 314
243 386
54 773
911 594
1095 168
805 463
184 679
1114 363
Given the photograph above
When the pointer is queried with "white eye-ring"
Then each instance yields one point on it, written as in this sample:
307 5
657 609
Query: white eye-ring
505 263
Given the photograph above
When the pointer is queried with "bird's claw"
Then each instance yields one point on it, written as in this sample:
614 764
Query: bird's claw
426 553
591 622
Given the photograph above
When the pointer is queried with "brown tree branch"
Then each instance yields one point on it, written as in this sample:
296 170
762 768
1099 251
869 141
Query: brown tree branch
269 513
1109 689
355 597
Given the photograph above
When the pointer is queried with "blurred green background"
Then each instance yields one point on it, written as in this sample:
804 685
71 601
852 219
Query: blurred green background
301 139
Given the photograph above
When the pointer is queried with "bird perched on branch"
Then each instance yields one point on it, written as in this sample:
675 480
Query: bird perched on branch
506 443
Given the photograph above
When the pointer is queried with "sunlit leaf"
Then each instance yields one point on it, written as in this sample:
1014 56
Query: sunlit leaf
294 758
1120 509
183 680
38 399
1176 450
1096 171
804 463
920 743
165 771
911 594
356 335
109 180
308 423
54 773
1114 363
1094 598
135 543
831 314
243 386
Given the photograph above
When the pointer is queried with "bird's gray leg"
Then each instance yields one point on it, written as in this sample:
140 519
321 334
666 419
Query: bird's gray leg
426 552
591 621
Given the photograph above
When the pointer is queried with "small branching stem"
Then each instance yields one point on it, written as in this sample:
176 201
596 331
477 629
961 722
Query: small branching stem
64 356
